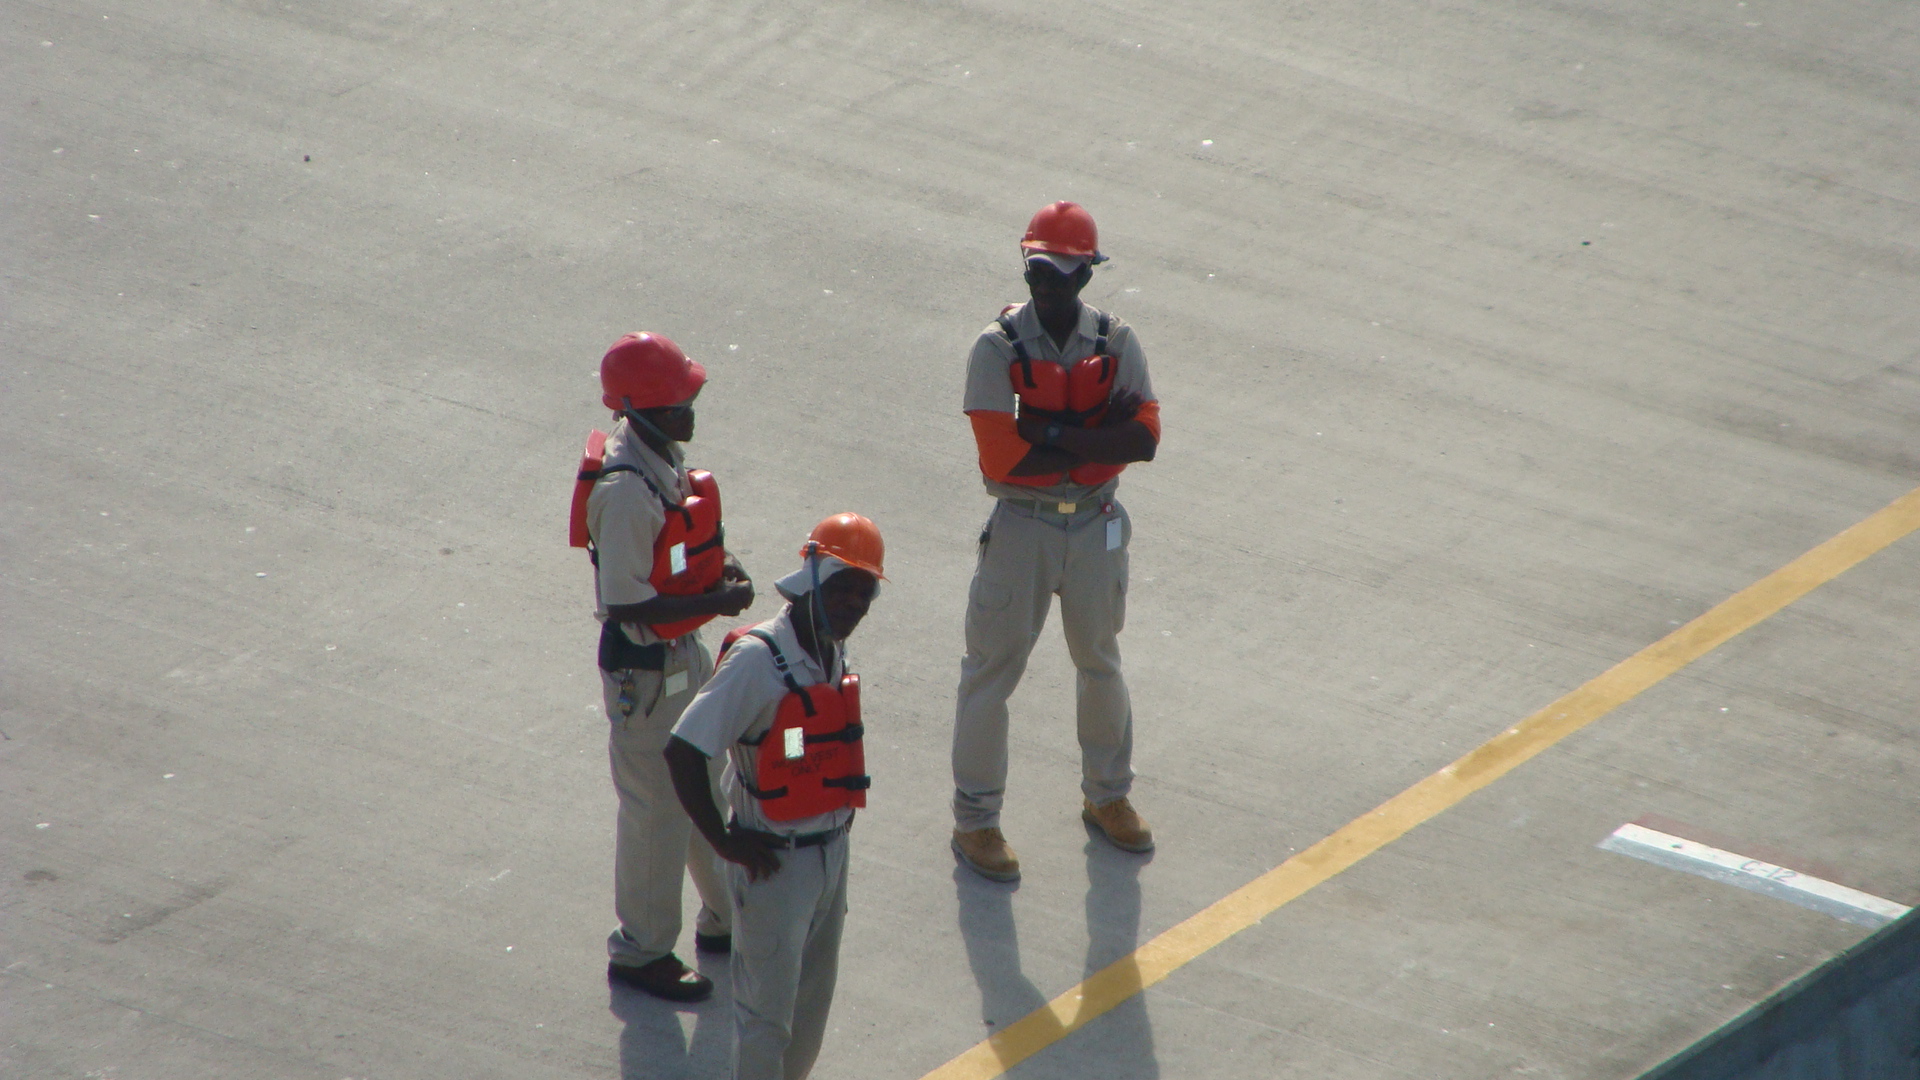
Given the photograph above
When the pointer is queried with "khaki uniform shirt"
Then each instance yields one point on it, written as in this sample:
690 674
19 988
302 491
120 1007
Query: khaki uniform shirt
624 516
990 389
740 702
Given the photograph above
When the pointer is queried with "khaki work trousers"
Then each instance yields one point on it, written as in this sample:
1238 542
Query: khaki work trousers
1028 555
653 837
786 957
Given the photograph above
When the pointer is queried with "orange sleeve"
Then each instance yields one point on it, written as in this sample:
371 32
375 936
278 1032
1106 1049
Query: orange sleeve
1149 415
1001 447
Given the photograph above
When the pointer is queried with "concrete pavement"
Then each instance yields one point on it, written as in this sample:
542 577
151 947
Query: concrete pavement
1494 341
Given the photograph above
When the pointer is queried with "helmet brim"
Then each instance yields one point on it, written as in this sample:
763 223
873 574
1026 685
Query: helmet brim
1028 247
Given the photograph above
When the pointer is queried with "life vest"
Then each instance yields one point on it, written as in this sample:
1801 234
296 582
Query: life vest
1073 396
690 552
810 761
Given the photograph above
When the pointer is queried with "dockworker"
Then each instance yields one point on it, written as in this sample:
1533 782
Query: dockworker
1060 402
785 714
661 571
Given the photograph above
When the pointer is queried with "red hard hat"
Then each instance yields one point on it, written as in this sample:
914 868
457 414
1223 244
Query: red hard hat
648 371
1063 228
852 539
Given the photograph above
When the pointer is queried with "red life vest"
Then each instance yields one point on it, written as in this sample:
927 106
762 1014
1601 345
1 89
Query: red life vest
810 762
690 552
1071 397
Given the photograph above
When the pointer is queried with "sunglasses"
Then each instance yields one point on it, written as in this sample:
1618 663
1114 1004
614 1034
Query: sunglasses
1038 274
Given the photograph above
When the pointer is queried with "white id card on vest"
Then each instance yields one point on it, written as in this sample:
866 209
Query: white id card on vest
677 559
1113 534
676 683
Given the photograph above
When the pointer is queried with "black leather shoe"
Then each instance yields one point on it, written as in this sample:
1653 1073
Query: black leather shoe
666 978
713 944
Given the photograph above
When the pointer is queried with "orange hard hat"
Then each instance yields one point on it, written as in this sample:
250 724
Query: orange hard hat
648 371
1063 228
852 539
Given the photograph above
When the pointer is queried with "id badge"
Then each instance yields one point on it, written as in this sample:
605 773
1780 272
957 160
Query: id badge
677 559
1113 534
675 683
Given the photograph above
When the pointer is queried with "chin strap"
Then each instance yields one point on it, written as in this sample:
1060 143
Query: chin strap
816 607
633 417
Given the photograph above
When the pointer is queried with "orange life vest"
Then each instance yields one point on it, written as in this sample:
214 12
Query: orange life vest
1069 396
810 761
690 552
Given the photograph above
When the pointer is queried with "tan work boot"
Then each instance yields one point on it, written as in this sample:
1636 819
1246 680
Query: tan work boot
985 852
1120 822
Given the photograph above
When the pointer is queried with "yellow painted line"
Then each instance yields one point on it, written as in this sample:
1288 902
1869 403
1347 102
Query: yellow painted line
1427 799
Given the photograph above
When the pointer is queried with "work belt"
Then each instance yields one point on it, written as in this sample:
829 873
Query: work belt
1065 509
619 653
796 840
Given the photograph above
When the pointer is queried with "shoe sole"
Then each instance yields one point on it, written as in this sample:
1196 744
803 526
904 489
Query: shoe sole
1004 876
1142 849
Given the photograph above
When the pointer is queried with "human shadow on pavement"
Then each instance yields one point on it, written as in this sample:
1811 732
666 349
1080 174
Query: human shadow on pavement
653 1044
1123 1046
1120 1046
993 949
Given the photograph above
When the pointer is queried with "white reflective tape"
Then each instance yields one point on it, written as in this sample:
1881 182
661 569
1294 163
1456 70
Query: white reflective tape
677 559
676 683
1679 853
796 743
1113 534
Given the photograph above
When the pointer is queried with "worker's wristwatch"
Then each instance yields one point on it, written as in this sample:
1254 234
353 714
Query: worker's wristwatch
1053 433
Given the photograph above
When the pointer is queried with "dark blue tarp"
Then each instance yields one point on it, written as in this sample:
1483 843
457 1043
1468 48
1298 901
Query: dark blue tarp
1857 1017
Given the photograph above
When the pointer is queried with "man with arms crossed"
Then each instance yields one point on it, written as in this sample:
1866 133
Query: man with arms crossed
1060 403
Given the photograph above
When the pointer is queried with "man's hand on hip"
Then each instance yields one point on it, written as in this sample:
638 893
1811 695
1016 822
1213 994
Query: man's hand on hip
752 849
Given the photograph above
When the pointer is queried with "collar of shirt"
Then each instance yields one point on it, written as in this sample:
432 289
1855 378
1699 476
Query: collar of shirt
626 447
1026 323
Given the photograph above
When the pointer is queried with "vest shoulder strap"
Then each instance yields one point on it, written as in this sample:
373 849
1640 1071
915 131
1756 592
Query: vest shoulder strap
1005 322
1019 350
598 474
780 665
608 470
666 504
651 486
